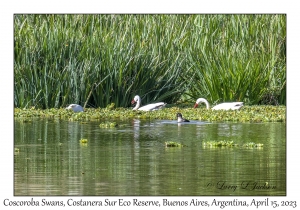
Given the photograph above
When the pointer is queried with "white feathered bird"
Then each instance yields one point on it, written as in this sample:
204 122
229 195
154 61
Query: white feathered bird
222 106
150 107
75 107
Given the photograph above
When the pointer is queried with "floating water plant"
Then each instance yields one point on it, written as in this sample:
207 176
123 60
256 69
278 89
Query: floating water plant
219 143
174 144
245 114
111 106
252 144
83 141
230 144
108 125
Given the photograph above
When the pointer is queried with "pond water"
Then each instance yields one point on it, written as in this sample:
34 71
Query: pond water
132 159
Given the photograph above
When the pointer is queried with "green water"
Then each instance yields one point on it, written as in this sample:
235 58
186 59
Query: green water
133 160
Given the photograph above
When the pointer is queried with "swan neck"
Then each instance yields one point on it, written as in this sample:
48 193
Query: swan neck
203 100
207 104
138 104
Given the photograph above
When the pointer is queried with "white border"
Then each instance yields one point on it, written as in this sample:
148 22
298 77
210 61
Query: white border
8 8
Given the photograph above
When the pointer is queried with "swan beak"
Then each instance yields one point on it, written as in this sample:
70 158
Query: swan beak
133 102
195 106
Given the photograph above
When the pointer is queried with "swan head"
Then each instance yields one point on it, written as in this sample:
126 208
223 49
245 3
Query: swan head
201 100
75 107
136 99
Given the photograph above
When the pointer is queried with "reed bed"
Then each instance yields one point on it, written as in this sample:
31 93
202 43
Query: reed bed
96 60
242 58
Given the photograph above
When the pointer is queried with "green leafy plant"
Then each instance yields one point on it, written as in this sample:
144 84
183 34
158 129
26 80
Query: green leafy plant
174 144
96 60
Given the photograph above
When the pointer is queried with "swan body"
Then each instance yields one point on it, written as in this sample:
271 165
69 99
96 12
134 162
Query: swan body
222 106
180 118
149 107
75 107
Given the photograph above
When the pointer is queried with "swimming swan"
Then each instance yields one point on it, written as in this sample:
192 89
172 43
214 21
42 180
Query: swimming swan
149 107
222 106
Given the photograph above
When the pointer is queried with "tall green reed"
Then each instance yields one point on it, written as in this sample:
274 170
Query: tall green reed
238 57
103 59
114 57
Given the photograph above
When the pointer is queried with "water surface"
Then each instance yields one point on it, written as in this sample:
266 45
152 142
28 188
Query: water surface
133 160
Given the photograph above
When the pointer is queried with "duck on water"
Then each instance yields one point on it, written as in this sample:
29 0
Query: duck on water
180 118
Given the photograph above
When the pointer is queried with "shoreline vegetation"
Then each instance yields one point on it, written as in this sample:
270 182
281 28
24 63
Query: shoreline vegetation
255 114
97 60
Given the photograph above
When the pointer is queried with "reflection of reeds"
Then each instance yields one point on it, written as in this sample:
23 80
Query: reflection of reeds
108 125
100 59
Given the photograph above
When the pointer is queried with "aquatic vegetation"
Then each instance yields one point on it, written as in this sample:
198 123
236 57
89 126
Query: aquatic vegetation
111 106
17 151
174 144
83 141
252 144
97 60
255 114
219 143
230 144
232 65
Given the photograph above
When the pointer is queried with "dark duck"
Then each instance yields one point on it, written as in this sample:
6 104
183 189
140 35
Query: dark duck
180 118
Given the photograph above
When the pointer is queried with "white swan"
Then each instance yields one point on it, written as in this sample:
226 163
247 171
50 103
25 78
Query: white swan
75 107
180 118
149 107
222 106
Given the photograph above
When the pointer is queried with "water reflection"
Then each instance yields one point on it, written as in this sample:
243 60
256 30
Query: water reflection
132 159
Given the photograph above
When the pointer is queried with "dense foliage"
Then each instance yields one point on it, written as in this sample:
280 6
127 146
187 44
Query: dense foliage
245 114
96 60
